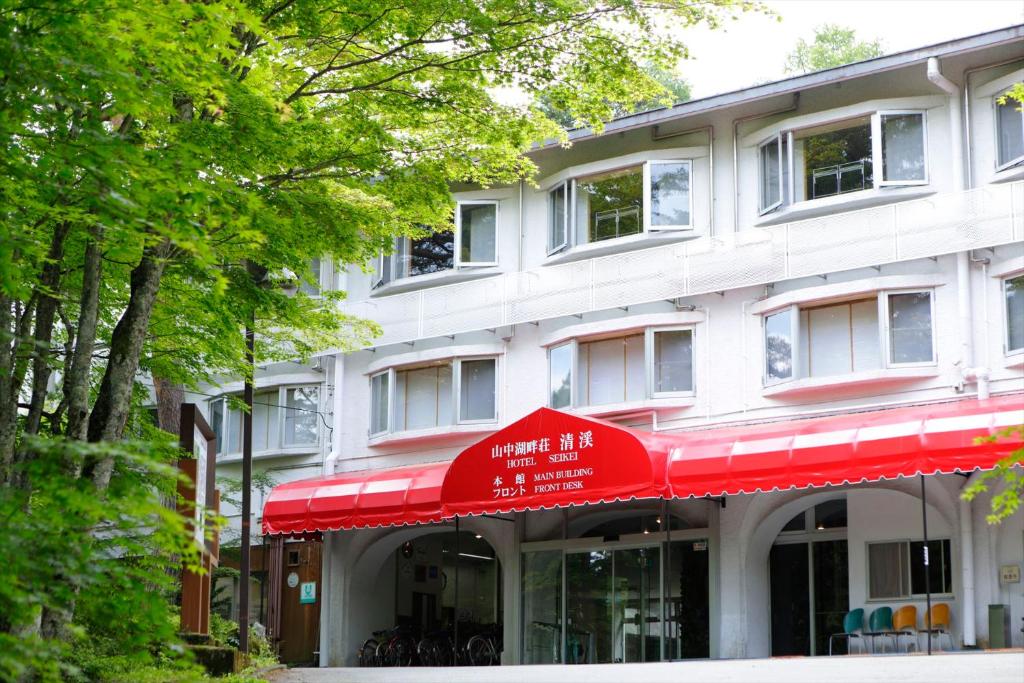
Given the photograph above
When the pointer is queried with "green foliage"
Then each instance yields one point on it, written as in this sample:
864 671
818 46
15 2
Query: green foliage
673 90
1014 93
833 46
1007 476
117 582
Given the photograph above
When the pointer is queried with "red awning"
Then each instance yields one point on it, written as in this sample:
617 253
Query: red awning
553 459
841 449
367 498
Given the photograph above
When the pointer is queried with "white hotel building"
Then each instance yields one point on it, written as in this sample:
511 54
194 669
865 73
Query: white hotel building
830 247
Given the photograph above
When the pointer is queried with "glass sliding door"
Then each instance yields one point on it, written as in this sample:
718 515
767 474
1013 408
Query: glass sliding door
636 605
542 607
790 596
688 592
588 609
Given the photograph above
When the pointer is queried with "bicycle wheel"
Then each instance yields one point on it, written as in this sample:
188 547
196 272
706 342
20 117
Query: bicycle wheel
368 653
480 651
400 651
427 652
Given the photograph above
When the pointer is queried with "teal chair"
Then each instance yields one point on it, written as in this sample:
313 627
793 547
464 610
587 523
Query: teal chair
880 626
853 627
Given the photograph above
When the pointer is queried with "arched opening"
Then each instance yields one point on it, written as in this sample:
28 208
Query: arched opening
808 568
423 584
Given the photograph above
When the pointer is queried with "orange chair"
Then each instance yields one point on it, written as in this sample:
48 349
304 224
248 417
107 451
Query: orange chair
937 623
904 624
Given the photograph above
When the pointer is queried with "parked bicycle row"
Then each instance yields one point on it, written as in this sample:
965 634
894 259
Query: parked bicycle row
479 645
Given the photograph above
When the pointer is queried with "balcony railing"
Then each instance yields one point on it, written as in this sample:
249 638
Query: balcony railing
940 224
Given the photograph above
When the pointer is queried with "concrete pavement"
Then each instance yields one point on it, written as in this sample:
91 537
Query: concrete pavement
960 667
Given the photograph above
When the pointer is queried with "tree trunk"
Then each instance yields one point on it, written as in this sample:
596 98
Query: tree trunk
46 310
16 354
76 383
110 411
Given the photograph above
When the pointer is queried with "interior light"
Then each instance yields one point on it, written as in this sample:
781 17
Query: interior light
475 557
821 526
479 536
646 531
658 520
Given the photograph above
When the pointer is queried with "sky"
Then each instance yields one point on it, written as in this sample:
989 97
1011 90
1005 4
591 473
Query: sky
753 48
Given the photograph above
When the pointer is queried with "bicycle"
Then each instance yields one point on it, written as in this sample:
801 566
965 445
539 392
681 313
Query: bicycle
436 649
368 650
481 649
391 647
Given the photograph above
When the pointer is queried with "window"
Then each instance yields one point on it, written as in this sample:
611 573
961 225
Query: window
476 225
849 337
1013 290
458 391
653 364
286 417
300 416
310 284
669 190
653 196
778 346
558 218
560 362
770 169
836 158
840 338
910 328
1009 132
822 517
840 157
609 204
471 242
896 569
902 141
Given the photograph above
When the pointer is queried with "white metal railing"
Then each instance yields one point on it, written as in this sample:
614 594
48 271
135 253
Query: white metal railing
939 224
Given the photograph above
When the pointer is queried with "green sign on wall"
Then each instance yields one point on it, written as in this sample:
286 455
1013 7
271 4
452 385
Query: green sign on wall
307 593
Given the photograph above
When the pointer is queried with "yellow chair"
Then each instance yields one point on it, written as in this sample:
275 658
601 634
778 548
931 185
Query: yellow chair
937 623
904 624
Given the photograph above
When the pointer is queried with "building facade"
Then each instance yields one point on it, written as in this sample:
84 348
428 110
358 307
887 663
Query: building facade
841 242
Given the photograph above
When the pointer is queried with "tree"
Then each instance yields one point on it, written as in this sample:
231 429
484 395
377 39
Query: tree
157 156
833 45
1008 475
674 90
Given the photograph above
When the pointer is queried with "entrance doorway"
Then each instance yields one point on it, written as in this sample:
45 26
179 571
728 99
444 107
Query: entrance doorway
624 600
809 572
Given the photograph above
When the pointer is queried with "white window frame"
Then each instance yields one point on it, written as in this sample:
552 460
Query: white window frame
787 159
456 395
647 203
649 333
882 297
761 208
995 117
573 373
878 165
648 341
906 565
1003 282
390 373
883 327
566 186
280 406
458 262
794 334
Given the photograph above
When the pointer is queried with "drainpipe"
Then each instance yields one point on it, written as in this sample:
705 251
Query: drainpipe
968 371
967 567
336 408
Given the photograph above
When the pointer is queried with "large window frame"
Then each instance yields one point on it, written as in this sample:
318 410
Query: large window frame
1004 286
389 422
906 568
561 237
650 391
388 269
1002 165
221 413
784 140
884 336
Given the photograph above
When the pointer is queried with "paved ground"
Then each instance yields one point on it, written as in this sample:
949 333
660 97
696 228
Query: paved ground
979 667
